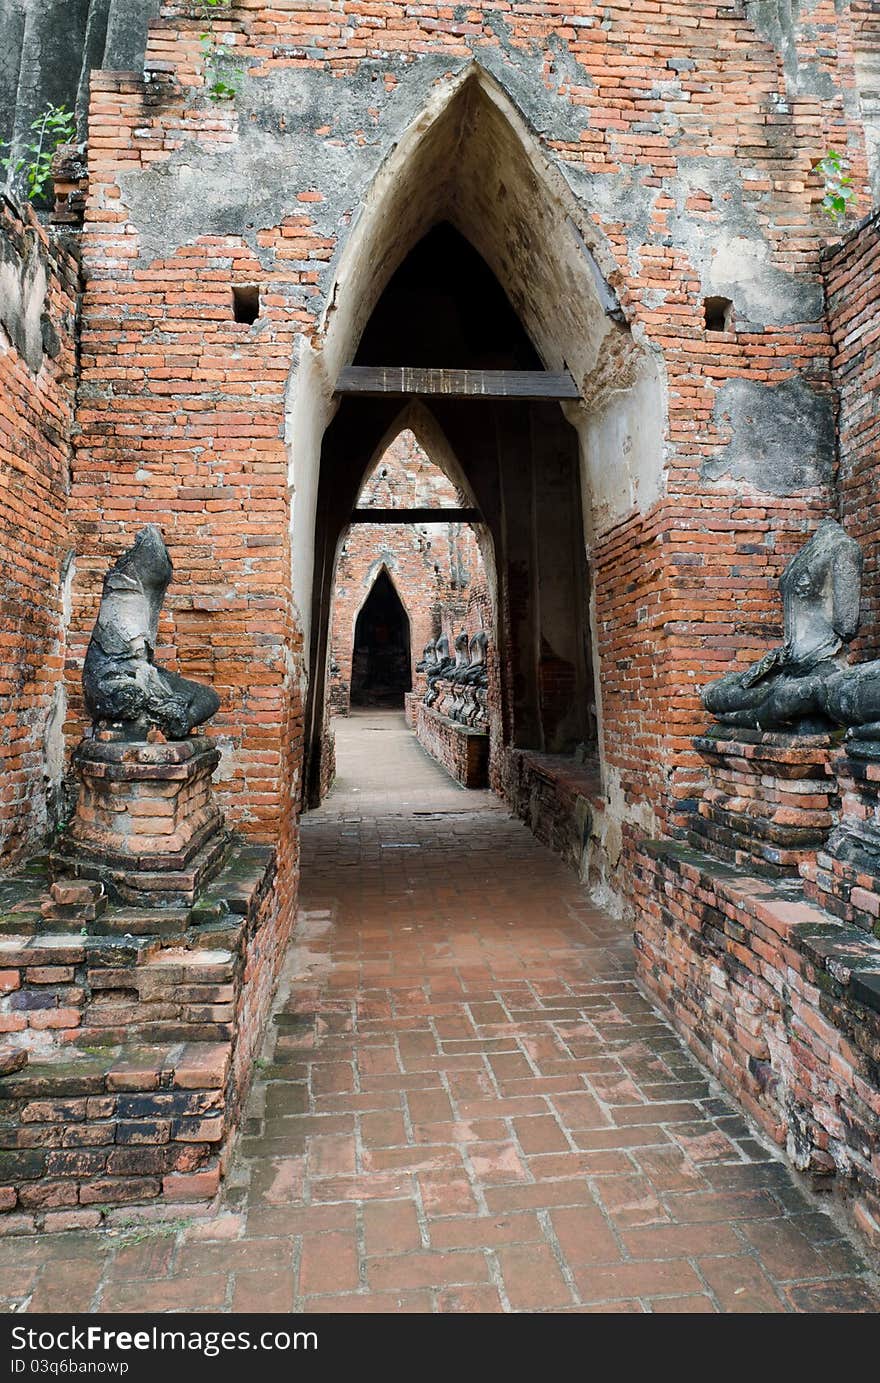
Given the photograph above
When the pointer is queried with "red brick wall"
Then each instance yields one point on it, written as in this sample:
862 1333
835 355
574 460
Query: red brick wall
852 277
463 752
38 282
433 566
675 120
763 989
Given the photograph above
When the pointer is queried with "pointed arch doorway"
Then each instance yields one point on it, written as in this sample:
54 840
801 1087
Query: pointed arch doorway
472 255
380 664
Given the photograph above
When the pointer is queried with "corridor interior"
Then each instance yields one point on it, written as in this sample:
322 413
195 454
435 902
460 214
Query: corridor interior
464 1104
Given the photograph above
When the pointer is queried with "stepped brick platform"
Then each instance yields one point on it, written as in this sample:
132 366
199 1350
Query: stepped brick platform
462 750
844 878
146 824
138 1028
771 799
779 999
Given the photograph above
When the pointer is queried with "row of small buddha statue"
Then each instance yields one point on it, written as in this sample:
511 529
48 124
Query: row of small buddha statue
457 684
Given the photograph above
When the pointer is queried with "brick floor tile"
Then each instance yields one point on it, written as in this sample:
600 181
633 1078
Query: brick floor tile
272 1292
681 1241
447 1195
66 1287
301 1219
584 1235
485 1231
668 1277
845 1296
539 1195
631 1201
329 1263
382 1129
426 1269
532 1277
461 1131
784 1251
391 1227
193 1293
579 1111
740 1285
334 1155
472 1300
496 1163
16 1283
712 1206
429 1106
540 1133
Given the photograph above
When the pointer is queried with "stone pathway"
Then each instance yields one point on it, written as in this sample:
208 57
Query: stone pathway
465 1105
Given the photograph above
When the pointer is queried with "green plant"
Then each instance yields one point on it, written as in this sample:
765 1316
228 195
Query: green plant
222 72
32 169
833 168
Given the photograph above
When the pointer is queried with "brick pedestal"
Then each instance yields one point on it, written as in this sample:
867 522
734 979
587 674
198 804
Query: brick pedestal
146 824
844 878
771 800
462 750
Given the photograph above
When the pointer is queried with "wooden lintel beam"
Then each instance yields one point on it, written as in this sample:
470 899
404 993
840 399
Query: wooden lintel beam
416 516
375 381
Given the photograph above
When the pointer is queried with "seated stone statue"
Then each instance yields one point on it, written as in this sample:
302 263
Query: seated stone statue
476 675
428 658
441 670
122 685
794 686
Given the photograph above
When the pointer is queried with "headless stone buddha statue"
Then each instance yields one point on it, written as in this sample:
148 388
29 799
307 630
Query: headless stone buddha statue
476 674
797 686
462 657
428 658
123 687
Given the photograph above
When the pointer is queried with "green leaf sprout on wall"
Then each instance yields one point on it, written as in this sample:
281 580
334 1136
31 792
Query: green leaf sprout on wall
30 171
833 168
222 72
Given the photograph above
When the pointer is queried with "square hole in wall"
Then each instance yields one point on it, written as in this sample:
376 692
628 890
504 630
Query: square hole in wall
718 314
246 303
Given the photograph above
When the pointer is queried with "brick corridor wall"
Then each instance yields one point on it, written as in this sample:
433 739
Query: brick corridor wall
433 566
852 278
765 989
39 284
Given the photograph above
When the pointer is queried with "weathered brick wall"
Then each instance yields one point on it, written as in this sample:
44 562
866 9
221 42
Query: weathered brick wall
686 138
766 989
433 566
463 752
38 304
852 278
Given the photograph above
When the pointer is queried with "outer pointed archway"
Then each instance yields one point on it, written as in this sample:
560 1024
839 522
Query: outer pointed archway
472 161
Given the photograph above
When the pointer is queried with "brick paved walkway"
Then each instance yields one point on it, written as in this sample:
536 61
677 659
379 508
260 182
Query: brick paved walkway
465 1105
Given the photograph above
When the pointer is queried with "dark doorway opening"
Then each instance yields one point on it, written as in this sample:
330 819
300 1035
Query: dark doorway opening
380 668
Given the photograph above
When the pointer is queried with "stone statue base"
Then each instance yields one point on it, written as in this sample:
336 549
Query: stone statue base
844 879
771 799
146 824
